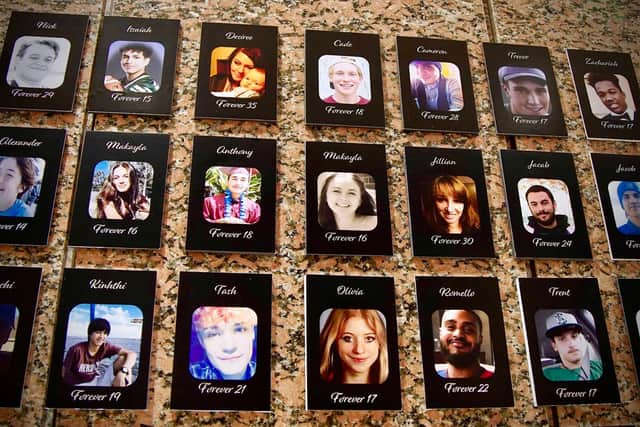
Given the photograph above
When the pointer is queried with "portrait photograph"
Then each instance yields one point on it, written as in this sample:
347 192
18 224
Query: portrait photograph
344 80
353 345
351 342
102 338
463 347
38 62
9 317
119 193
102 345
436 85
608 94
121 190
625 205
20 185
237 72
545 204
568 344
134 67
17 308
449 204
524 91
462 340
232 195
346 201
223 343
222 340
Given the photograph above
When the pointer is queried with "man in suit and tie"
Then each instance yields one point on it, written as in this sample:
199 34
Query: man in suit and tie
607 87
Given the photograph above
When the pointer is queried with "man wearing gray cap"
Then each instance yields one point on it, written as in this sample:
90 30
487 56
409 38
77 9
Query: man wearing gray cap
432 91
526 89
569 342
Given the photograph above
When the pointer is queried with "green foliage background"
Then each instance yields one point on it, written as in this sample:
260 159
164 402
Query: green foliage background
217 180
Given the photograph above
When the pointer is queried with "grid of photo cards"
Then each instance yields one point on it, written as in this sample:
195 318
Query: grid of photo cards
238 72
343 79
523 89
448 203
19 288
135 66
347 199
223 342
29 167
41 60
608 91
464 350
435 85
543 201
566 335
618 180
630 296
119 195
351 343
232 195
102 340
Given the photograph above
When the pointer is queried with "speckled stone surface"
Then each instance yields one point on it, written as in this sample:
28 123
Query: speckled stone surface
603 25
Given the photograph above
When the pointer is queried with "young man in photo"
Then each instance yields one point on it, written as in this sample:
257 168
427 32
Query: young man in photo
134 59
607 87
89 363
33 62
572 347
543 219
434 92
460 340
526 89
629 197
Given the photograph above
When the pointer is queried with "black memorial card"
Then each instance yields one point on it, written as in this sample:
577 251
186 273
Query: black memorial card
347 199
630 296
343 79
436 85
107 314
618 180
238 72
40 61
543 201
608 93
523 88
566 337
18 295
351 343
223 342
464 349
29 168
119 193
232 195
448 203
134 67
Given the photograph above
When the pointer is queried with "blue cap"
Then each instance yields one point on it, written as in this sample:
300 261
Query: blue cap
507 73
627 186
434 63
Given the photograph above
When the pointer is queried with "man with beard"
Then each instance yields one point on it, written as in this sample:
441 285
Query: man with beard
460 340
543 219
572 347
